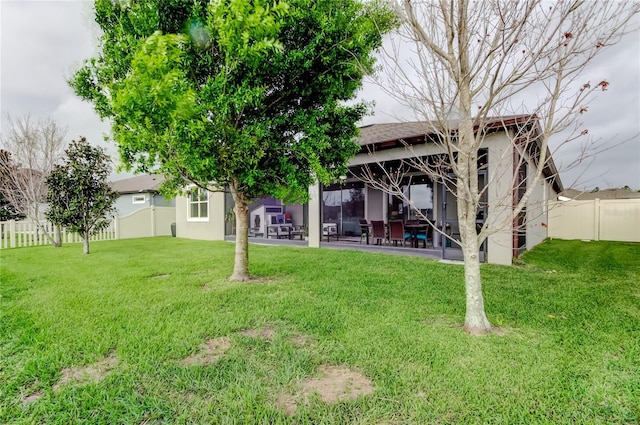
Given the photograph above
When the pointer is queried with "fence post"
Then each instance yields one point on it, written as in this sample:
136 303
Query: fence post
596 216
153 221
116 227
12 233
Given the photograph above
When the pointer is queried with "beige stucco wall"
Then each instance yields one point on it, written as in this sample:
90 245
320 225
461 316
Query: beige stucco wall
209 229
537 211
146 222
499 198
610 220
537 218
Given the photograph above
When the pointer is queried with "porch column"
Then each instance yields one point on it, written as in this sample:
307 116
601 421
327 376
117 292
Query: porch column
500 200
315 216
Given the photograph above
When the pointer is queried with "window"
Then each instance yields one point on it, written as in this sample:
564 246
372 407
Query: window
198 204
139 199
344 204
419 190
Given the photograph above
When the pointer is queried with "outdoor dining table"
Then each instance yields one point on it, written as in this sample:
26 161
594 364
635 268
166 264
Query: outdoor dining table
413 230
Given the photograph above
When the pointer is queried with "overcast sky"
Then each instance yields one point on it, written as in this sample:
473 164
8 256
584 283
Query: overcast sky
43 42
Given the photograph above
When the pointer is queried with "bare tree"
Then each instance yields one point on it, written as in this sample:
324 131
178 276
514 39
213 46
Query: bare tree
32 148
473 61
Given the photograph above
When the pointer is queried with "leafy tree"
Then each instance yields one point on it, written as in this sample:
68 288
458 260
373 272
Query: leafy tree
473 61
79 195
239 95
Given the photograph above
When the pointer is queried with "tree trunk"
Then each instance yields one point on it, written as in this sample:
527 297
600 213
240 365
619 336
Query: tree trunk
467 193
241 262
57 233
85 249
41 229
475 320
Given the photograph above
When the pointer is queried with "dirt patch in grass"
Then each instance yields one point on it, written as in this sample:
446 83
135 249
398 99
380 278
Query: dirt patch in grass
300 340
160 276
89 374
336 383
32 398
209 352
264 333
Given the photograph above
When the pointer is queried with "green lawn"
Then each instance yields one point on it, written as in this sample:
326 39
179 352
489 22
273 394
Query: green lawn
568 349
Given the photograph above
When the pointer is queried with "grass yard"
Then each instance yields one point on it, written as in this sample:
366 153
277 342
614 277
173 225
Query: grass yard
150 331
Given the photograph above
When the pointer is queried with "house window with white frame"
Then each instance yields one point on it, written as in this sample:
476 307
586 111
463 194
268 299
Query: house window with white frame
198 204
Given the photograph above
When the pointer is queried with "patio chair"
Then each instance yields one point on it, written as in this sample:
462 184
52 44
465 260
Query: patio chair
296 230
396 232
426 236
329 230
407 235
364 230
378 233
278 232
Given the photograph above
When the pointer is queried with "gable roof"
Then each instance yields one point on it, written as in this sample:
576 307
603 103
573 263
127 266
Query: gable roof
138 184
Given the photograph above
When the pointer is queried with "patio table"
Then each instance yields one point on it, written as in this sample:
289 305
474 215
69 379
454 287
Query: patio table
413 230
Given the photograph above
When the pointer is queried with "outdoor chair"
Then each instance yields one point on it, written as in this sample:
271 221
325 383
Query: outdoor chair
378 233
426 236
297 230
279 231
364 230
330 230
396 232
255 232
407 235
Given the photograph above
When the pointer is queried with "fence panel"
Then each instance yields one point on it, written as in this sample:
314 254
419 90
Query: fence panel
599 219
18 234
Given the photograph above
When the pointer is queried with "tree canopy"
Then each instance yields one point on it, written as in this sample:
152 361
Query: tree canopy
245 95
78 193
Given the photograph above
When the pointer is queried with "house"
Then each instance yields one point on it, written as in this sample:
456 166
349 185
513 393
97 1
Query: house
142 210
139 192
505 169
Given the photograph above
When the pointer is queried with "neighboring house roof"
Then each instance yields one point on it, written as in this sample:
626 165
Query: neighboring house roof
580 195
138 184
393 135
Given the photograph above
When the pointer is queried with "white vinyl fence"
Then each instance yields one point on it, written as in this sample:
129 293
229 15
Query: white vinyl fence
146 222
596 220
17 234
